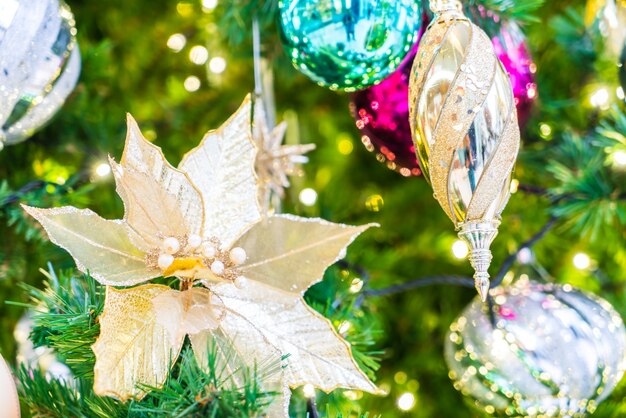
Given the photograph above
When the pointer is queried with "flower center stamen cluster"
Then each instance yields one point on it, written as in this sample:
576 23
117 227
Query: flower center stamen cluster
191 257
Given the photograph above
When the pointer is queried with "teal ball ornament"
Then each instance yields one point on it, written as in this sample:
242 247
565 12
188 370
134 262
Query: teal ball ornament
348 45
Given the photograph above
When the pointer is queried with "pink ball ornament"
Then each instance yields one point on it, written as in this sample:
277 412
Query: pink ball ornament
382 116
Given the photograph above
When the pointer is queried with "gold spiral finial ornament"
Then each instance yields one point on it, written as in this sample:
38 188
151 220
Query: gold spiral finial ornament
465 130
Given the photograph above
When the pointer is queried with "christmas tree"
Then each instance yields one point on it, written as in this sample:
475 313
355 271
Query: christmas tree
235 267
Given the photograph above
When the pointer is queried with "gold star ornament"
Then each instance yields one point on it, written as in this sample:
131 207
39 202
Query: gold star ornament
241 275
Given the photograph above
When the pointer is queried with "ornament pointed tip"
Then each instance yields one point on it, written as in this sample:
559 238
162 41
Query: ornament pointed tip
482 285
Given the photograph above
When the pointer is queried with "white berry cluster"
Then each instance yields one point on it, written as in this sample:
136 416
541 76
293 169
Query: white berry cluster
203 255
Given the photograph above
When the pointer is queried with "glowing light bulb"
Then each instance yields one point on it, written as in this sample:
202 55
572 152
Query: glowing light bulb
308 390
581 261
459 249
619 92
308 197
209 5
103 170
356 285
192 83
619 158
406 401
176 42
600 98
344 327
545 130
217 65
198 55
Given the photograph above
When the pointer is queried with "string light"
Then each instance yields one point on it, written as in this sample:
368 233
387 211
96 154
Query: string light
459 249
345 146
619 158
308 197
374 203
103 170
308 390
217 65
356 285
176 42
600 98
400 377
545 131
406 401
198 55
192 83
619 92
344 327
209 5
581 261
525 256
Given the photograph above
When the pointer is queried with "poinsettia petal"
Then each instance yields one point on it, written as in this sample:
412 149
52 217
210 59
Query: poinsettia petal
317 354
103 248
151 210
292 253
133 349
237 345
143 156
222 167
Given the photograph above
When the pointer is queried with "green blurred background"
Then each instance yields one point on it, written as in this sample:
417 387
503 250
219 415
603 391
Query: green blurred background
128 67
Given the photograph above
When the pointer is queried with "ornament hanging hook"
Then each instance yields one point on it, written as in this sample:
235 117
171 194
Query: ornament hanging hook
256 53
440 6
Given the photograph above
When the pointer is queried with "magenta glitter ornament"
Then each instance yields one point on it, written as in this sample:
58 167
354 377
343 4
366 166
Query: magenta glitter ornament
510 47
382 116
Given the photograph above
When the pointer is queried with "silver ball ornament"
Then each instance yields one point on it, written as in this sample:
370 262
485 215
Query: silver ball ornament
39 64
542 350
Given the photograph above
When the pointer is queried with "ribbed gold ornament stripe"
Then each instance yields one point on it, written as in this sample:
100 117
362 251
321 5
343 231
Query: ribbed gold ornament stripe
464 100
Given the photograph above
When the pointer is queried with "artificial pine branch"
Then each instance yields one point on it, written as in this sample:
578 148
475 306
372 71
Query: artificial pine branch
587 196
64 315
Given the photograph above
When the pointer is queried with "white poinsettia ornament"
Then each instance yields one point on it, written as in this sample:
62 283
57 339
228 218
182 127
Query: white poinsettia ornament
242 276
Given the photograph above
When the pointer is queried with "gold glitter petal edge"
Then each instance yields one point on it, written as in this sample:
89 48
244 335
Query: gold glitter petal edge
143 156
317 353
132 349
222 167
291 253
100 247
